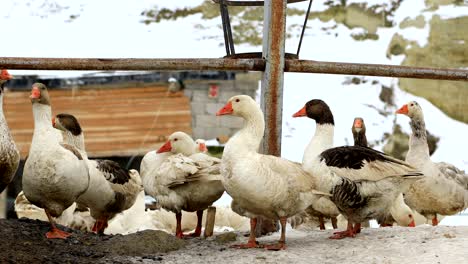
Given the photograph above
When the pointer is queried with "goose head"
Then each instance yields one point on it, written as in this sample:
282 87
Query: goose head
4 77
201 145
358 126
39 94
67 123
317 110
240 105
403 214
179 142
412 110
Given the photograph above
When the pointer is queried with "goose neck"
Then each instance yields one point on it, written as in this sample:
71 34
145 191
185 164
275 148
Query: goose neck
322 140
76 141
42 116
418 147
249 137
360 140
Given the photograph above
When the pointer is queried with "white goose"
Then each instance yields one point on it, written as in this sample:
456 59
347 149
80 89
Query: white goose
55 174
112 189
445 189
370 181
9 154
201 145
261 185
400 209
186 180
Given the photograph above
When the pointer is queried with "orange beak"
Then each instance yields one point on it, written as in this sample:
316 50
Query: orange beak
5 75
226 110
35 93
357 123
165 148
412 224
301 112
202 147
53 121
403 110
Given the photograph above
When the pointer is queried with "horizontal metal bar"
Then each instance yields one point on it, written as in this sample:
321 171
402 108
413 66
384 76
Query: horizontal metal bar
383 70
97 64
17 63
251 3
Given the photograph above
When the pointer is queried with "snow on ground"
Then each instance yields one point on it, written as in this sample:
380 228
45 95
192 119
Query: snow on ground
100 31
423 244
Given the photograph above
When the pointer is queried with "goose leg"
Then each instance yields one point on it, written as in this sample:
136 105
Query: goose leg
252 243
197 232
101 225
435 221
349 232
282 242
179 233
334 222
357 228
54 231
322 223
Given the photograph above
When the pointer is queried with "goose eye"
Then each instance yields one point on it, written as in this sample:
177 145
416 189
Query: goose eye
411 104
175 139
410 216
237 100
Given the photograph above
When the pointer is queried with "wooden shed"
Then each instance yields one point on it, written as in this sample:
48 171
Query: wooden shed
116 121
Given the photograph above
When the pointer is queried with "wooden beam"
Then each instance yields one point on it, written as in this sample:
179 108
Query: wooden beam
210 221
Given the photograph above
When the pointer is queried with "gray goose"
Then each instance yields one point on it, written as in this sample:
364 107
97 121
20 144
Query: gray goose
359 134
55 174
444 190
9 154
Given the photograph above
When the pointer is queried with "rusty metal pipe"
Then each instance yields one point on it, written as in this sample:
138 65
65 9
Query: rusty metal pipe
383 70
305 66
94 64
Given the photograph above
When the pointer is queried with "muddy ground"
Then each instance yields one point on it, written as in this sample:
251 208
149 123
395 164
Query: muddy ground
23 241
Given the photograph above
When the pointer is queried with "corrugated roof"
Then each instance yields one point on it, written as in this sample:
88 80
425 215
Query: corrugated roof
115 121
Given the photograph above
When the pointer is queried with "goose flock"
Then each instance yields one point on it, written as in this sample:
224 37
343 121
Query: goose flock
357 182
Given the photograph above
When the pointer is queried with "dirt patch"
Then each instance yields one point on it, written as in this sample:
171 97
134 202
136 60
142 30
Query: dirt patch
24 241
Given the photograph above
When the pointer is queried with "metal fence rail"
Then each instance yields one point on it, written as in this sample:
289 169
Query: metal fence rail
17 63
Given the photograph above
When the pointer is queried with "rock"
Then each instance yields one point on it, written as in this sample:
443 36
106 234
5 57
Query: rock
418 22
447 47
226 237
142 243
386 95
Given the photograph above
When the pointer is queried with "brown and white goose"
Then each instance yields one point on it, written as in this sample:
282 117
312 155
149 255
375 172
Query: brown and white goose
9 154
400 209
261 185
112 189
359 132
364 183
444 190
186 180
55 174
322 140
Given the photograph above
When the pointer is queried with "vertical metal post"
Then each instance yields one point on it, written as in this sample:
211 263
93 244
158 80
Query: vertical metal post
274 28
303 29
222 10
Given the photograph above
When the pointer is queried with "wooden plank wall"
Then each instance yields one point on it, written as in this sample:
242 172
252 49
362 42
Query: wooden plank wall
116 121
